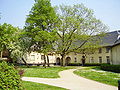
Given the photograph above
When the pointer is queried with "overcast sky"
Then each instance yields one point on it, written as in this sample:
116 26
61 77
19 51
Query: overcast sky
14 11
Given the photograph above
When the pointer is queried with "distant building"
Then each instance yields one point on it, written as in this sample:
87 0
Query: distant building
108 53
35 58
115 54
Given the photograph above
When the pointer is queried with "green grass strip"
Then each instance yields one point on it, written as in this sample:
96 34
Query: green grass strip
51 72
99 75
38 86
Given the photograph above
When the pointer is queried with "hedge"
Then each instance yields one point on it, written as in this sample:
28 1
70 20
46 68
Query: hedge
74 64
112 68
9 77
86 64
92 64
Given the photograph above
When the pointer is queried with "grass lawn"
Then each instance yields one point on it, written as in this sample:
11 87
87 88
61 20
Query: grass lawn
49 72
38 86
99 75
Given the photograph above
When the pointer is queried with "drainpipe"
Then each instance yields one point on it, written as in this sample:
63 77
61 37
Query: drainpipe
111 56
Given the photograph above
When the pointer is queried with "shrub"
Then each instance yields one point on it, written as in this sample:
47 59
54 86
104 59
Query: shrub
112 68
9 77
74 64
92 64
20 71
86 64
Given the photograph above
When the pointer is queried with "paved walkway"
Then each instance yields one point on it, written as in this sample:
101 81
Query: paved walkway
71 81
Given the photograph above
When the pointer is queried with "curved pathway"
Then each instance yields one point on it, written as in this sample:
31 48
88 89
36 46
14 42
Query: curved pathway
71 81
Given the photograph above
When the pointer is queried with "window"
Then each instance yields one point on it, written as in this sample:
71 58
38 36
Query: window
32 58
100 59
92 60
100 50
108 59
42 57
50 54
107 49
75 59
75 53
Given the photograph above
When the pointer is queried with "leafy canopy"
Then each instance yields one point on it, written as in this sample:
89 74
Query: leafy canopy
77 27
8 36
40 25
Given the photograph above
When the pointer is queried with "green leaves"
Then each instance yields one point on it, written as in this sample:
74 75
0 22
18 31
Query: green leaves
9 78
41 15
40 25
77 26
44 36
8 35
11 39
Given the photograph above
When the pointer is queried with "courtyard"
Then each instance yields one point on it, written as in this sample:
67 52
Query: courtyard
66 78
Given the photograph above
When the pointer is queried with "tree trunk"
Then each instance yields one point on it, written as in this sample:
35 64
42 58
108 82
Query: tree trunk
63 60
1 54
48 61
44 65
25 62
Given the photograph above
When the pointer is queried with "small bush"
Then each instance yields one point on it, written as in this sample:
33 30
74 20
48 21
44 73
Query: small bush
92 64
112 68
86 64
20 71
74 64
9 77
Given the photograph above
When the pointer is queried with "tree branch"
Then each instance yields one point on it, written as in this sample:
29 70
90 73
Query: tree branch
59 35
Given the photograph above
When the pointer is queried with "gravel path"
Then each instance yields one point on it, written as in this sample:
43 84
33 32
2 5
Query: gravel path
71 81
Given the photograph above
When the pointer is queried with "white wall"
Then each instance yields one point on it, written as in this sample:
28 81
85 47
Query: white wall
95 56
35 58
116 54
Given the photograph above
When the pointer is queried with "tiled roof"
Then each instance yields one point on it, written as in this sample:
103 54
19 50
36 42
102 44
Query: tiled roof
110 39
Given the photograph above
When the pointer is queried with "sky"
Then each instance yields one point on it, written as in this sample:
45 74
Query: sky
14 11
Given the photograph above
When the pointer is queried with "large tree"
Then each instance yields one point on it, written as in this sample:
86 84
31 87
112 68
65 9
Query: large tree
40 26
21 47
8 36
13 42
77 29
